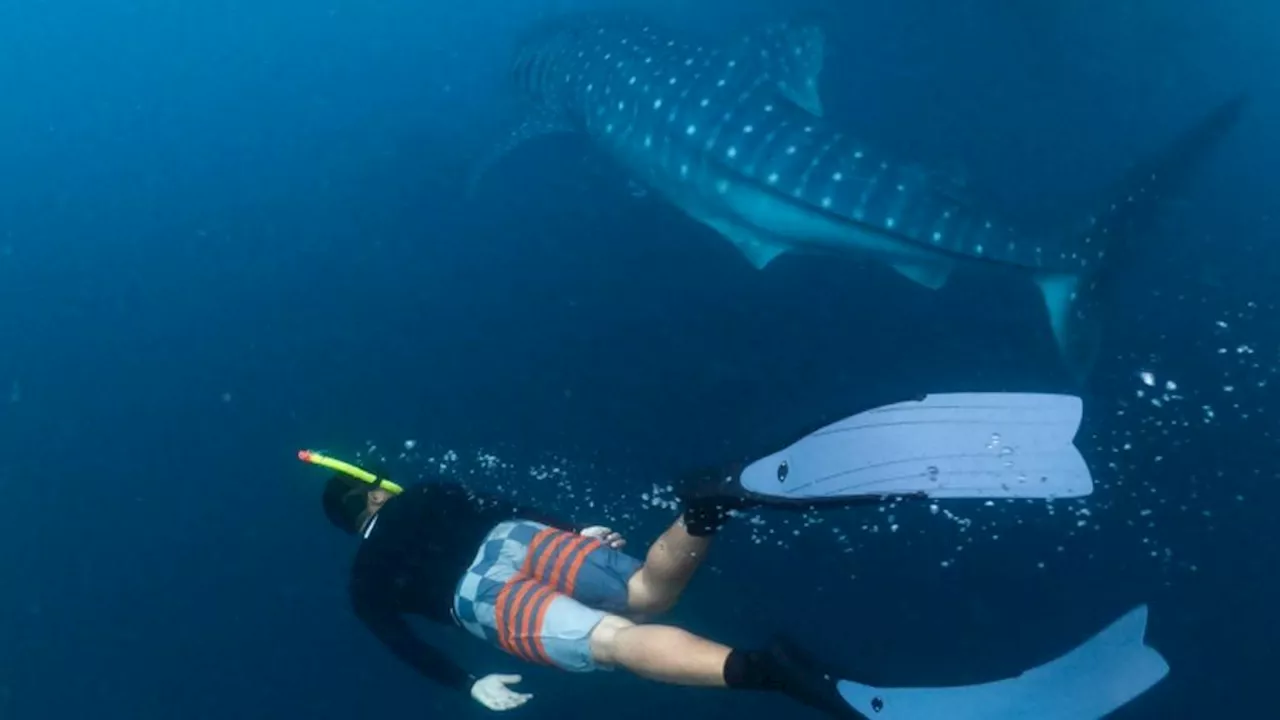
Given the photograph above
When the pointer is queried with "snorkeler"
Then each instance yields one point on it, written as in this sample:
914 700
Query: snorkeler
553 593
541 589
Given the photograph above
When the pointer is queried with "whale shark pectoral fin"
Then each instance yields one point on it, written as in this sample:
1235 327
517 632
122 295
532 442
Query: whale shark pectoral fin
531 126
931 275
761 254
758 251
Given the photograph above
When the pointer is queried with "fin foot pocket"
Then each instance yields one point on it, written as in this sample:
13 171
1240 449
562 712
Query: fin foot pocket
709 496
785 668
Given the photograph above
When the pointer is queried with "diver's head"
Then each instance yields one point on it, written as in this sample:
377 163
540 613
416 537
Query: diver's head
350 503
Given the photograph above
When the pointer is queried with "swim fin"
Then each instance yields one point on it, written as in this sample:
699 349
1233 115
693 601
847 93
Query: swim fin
1090 682
957 445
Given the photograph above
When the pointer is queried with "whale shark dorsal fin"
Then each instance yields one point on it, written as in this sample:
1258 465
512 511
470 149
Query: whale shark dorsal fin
533 124
800 83
792 54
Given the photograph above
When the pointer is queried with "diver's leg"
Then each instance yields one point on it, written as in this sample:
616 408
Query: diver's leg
669 565
678 552
659 652
674 656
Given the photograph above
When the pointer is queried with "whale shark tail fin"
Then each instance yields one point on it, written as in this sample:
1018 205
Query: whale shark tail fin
1113 238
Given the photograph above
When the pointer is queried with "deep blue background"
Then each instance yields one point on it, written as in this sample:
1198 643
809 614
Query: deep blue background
232 229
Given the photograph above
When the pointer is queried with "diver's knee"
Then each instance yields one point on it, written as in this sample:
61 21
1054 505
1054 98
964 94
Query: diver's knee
643 600
604 638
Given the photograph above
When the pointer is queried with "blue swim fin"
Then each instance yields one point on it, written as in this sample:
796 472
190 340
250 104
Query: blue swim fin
1090 682
959 445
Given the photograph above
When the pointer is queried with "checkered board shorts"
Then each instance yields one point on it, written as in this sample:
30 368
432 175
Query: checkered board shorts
538 593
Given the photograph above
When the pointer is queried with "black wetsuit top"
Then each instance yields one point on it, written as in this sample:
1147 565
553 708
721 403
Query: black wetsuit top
420 544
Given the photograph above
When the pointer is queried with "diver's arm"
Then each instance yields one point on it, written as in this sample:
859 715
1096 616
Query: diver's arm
391 628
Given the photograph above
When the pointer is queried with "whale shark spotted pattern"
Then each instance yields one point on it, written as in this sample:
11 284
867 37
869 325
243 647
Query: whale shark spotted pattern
734 135
686 115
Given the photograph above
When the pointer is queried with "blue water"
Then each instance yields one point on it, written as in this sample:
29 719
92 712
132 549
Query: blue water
231 230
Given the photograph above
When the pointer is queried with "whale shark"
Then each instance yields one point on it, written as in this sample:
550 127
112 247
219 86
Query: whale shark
734 135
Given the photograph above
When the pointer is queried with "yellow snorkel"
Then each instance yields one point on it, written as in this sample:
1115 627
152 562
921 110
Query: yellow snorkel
346 468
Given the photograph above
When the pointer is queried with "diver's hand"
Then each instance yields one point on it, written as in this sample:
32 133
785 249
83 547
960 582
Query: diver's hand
492 692
605 535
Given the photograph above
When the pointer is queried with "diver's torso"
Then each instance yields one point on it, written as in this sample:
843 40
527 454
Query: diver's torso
420 546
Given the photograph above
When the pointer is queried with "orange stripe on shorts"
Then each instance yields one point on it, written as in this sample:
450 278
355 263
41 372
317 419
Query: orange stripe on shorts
500 608
510 624
575 567
537 626
534 612
567 559
519 631
535 550
548 553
